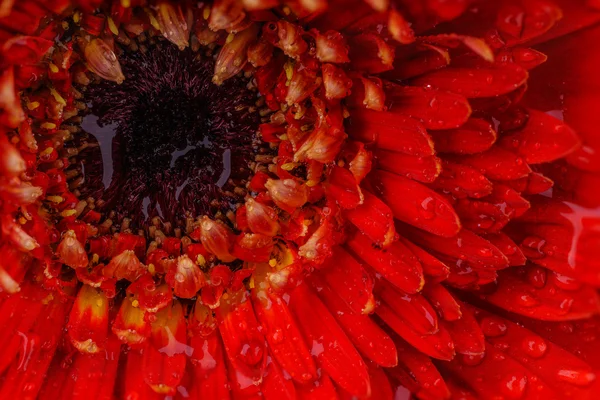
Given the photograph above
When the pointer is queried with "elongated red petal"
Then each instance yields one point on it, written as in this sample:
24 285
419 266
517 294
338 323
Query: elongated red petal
546 299
397 264
422 169
245 348
438 345
432 267
209 371
475 82
542 139
276 385
417 373
374 218
345 275
416 204
466 333
368 338
465 246
493 373
475 136
414 309
88 321
462 181
329 344
391 131
445 304
436 109
282 334
497 163
567 374
164 359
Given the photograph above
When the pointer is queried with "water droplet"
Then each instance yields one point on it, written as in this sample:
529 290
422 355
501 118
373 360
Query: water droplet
251 352
565 305
493 327
527 300
537 277
427 209
535 346
513 386
577 377
472 360
277 336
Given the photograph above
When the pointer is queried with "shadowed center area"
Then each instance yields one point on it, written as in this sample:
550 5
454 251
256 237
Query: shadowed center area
170 143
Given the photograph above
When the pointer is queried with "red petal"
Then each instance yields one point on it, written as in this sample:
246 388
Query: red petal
413 309
416 204
88 321
432 267
283 335
516 292
374 218
391 131
438 345
422 169
497 163
276 386
436 109
210 375
397 264
440 298
465 246
370 53
562 370
473 83
333 350
323 389
417 373
509 248
466 333
245 347
164 359
346 277
462 181
343 187
367 336
495 374
475 136
543 139
424 59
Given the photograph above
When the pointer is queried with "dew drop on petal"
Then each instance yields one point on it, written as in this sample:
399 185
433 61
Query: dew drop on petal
535 346
493 327
576 377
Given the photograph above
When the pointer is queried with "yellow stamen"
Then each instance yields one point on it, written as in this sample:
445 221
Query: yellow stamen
47 152
58 97
113 28
288 166
153 20
68 213
48 125
55 199
53 68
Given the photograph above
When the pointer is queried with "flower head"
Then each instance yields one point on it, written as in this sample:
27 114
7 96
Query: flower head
299 199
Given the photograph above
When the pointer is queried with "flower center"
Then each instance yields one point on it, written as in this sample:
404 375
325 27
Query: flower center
167 142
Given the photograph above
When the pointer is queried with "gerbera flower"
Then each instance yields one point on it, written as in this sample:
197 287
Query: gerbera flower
299 199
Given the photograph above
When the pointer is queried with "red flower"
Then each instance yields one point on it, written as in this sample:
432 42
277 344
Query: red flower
299 199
